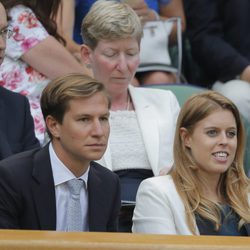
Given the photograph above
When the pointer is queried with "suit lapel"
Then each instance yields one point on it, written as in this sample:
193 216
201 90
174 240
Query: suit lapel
44 190
147 120
96 196
5 149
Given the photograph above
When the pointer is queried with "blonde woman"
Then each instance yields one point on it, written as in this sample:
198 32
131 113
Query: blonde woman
207 192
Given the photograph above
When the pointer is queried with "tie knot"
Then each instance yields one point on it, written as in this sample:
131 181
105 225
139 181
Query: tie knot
75 186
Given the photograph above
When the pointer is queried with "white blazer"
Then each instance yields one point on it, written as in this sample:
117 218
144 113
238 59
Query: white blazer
157 111
159 208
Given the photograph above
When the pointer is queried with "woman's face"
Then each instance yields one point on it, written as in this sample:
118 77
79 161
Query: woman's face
115 62
213 142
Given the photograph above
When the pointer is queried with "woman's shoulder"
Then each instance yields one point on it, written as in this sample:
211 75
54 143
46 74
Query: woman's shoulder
23 19
18 9
151 92
164 182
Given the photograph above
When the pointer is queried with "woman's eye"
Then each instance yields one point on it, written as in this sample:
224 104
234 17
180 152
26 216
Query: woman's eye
110 54
132 53
231 134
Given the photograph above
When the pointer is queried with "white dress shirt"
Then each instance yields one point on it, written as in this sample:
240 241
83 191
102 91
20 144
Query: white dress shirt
61 175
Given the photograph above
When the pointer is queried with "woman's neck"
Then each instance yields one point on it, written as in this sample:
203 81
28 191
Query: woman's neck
121 102
212 188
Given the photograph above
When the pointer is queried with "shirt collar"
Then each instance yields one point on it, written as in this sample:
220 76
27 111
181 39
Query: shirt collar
61 173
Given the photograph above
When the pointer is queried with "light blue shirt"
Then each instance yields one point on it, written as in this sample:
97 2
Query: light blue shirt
61 175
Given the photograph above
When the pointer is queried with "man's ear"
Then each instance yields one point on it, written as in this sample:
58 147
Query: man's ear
85 54
185 137
53 126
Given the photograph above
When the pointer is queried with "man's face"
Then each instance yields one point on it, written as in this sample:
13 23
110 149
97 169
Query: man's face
3 26
83 134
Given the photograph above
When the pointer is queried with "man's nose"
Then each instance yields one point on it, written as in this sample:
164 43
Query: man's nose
2 42
97 128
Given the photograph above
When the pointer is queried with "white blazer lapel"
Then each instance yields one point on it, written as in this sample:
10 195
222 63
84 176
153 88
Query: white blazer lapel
147 120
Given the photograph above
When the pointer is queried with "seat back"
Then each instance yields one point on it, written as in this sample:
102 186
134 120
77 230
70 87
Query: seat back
181 91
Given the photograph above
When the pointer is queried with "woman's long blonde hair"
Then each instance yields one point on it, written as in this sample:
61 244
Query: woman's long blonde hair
234 184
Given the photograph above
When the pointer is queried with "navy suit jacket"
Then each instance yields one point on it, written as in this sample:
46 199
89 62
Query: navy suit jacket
16 124
27 194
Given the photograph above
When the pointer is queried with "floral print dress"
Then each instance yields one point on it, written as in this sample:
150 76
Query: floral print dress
15 74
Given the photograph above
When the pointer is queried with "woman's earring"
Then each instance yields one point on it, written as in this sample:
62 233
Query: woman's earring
88 65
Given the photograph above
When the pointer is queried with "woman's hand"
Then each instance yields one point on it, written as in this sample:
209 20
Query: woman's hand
142 10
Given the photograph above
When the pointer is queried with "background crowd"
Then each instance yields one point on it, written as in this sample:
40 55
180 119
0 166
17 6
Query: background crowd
49 48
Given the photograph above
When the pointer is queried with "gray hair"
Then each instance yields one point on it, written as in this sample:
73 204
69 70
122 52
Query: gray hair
110 20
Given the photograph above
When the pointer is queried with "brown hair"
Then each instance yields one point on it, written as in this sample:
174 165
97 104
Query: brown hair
234 184
57 94
45 11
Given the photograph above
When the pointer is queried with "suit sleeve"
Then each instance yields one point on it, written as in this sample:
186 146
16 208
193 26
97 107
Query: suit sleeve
112 225
10 201
152 214
209 45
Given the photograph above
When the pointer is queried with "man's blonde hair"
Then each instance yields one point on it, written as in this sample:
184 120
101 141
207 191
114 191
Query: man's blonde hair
57 94
110 20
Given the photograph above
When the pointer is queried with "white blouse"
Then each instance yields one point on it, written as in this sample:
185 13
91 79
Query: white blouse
126 142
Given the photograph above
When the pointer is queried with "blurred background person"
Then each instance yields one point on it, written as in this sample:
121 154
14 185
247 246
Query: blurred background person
218 32
73 11
35 53
16 123
207 191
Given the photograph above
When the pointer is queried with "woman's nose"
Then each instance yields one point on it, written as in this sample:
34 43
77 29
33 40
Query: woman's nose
122 63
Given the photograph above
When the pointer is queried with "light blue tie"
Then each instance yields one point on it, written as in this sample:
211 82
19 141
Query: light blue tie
74 213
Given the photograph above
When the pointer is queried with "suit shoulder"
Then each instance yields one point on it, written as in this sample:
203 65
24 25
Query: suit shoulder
19 160
8 94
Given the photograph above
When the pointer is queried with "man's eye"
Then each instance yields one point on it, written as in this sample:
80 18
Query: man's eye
84 119
6 32
105 118
212 133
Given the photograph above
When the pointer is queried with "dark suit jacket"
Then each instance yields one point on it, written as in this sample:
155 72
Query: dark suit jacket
16 124
27 194
218 31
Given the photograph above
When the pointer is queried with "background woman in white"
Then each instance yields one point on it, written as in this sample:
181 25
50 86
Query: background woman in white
142 120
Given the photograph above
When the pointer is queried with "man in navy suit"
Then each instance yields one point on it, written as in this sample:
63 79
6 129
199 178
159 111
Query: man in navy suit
16 123
34 190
